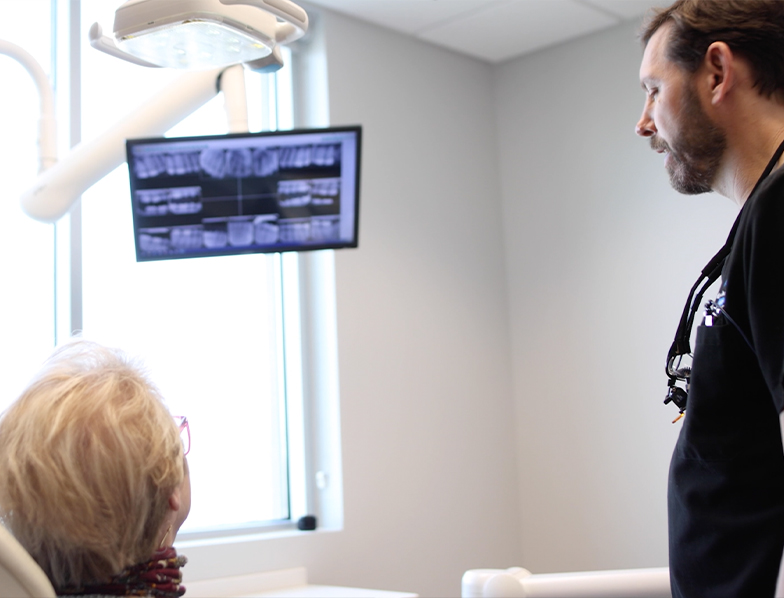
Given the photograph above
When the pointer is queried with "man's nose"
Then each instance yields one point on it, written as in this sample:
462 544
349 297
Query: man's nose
645 126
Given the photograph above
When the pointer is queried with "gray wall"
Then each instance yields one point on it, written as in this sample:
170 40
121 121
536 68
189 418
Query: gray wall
426 386
600 256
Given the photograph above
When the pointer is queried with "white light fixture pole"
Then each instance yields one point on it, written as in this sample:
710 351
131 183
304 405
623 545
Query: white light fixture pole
56 189
47 129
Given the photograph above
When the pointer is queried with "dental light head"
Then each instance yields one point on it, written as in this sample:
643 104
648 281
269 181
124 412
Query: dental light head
202 34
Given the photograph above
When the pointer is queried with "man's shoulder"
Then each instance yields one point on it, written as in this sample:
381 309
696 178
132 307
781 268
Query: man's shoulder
774 183
768 200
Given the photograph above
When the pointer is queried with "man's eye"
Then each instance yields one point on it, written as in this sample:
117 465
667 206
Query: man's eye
652 93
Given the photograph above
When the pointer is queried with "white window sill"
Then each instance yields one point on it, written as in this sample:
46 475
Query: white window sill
185 542
286 583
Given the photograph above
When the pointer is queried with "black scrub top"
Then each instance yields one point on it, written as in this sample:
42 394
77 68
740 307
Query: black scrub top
726 486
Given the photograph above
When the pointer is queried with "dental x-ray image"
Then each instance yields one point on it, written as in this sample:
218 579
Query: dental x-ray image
245 193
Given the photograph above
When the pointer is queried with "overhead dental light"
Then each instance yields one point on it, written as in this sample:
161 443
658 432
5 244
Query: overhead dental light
202 34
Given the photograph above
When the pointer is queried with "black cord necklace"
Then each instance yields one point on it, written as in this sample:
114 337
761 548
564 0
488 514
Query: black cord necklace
681 346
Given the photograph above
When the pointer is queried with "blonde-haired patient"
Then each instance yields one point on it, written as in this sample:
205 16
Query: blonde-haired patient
95 482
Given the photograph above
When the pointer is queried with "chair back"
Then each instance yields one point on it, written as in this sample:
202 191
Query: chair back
20 575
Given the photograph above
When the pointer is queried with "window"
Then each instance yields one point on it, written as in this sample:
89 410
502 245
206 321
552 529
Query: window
220 336
26 246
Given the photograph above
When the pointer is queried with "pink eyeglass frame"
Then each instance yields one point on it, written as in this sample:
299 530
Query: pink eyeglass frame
182 423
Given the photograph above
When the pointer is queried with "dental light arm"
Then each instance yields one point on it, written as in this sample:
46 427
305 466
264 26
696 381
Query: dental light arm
47 129
232 84
57 188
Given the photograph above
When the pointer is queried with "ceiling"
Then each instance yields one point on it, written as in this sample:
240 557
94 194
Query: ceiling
493 30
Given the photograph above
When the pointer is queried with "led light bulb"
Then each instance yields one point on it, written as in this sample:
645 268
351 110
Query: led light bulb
195 44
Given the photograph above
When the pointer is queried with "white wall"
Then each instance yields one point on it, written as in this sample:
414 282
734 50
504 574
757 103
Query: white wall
600 256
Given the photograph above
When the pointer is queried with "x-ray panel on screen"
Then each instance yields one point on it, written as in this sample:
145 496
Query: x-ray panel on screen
245 193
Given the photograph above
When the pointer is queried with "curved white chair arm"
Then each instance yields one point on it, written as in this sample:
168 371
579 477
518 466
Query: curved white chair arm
520 583
20 575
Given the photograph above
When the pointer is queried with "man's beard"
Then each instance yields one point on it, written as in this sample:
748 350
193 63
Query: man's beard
695 156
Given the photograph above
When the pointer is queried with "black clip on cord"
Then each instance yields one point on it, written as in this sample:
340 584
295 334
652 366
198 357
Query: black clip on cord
681 346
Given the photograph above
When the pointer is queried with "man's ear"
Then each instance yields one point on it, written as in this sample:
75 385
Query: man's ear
720 71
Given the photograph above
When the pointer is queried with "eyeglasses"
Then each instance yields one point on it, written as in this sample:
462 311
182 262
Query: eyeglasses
185 433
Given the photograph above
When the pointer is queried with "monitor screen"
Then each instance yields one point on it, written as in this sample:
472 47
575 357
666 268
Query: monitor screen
245 193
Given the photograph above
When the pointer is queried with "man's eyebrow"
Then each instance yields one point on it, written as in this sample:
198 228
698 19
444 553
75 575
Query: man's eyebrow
646 81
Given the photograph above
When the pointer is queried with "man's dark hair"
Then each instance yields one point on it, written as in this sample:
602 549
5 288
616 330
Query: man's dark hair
753 29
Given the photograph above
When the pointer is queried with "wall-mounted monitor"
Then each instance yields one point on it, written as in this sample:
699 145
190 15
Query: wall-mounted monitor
245 193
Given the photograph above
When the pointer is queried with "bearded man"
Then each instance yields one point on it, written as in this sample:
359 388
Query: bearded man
713 74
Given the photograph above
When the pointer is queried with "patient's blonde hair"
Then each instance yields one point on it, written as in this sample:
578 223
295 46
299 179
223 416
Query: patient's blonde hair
89 456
